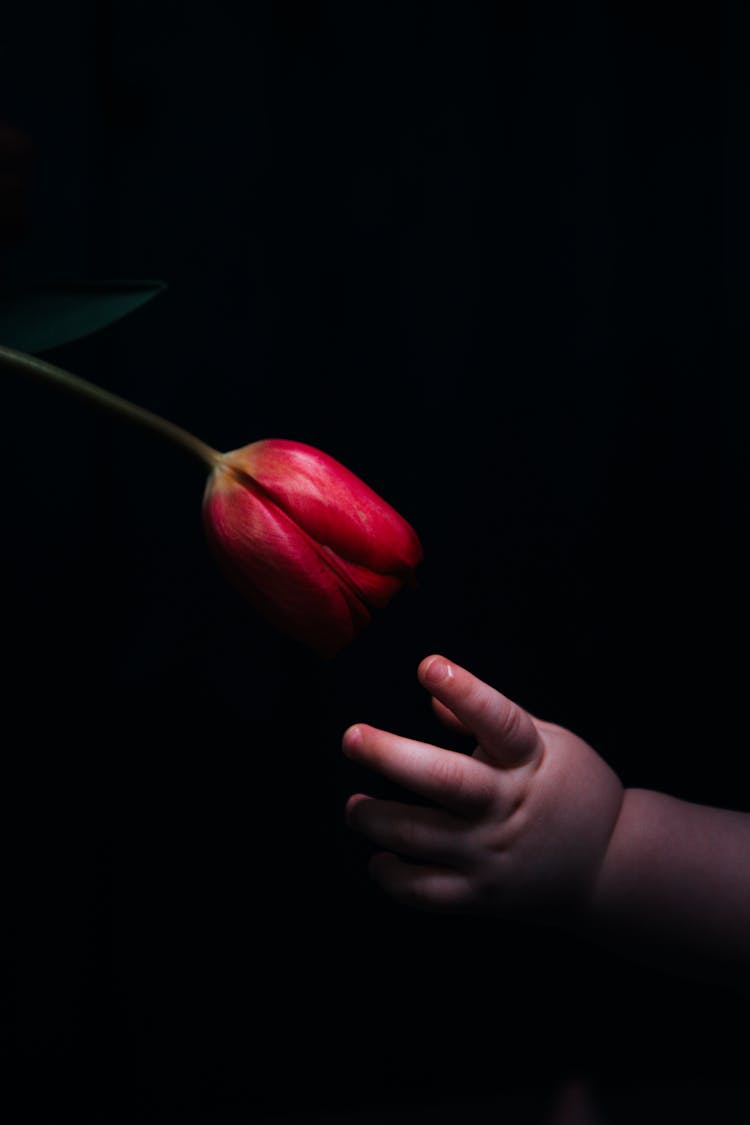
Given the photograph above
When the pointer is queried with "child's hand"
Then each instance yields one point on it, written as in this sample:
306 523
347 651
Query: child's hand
522 825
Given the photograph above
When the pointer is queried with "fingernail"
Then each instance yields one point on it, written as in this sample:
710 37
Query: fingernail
352 738
351 805
437 671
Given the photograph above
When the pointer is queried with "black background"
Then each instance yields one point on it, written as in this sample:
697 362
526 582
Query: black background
493 259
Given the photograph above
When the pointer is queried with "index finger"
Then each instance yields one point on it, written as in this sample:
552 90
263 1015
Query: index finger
456 781
505 732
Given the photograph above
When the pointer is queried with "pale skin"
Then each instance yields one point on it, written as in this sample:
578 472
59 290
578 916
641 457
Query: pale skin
535 824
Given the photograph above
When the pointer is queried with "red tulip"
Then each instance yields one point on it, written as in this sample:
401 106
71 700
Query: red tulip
308 543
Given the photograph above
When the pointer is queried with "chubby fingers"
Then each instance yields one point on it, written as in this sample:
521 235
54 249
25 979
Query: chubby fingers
426 887
506 733
459 783
426 834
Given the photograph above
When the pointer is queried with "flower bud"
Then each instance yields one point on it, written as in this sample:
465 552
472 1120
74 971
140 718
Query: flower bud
308 543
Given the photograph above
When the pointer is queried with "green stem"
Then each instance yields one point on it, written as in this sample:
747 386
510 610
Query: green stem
47 373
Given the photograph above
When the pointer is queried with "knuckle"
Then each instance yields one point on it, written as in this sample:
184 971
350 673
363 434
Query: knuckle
485 795
447 774
430 897
492 709
480 702
405 835
512 720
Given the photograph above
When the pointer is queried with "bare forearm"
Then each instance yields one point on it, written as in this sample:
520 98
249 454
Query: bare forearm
676 880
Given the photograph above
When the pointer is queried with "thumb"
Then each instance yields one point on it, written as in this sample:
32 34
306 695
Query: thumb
506 733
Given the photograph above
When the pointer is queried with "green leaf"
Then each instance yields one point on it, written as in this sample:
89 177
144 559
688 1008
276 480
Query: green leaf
46 315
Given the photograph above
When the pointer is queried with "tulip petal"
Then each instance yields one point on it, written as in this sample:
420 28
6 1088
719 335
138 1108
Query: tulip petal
333 505
278 569
311 546
376 590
